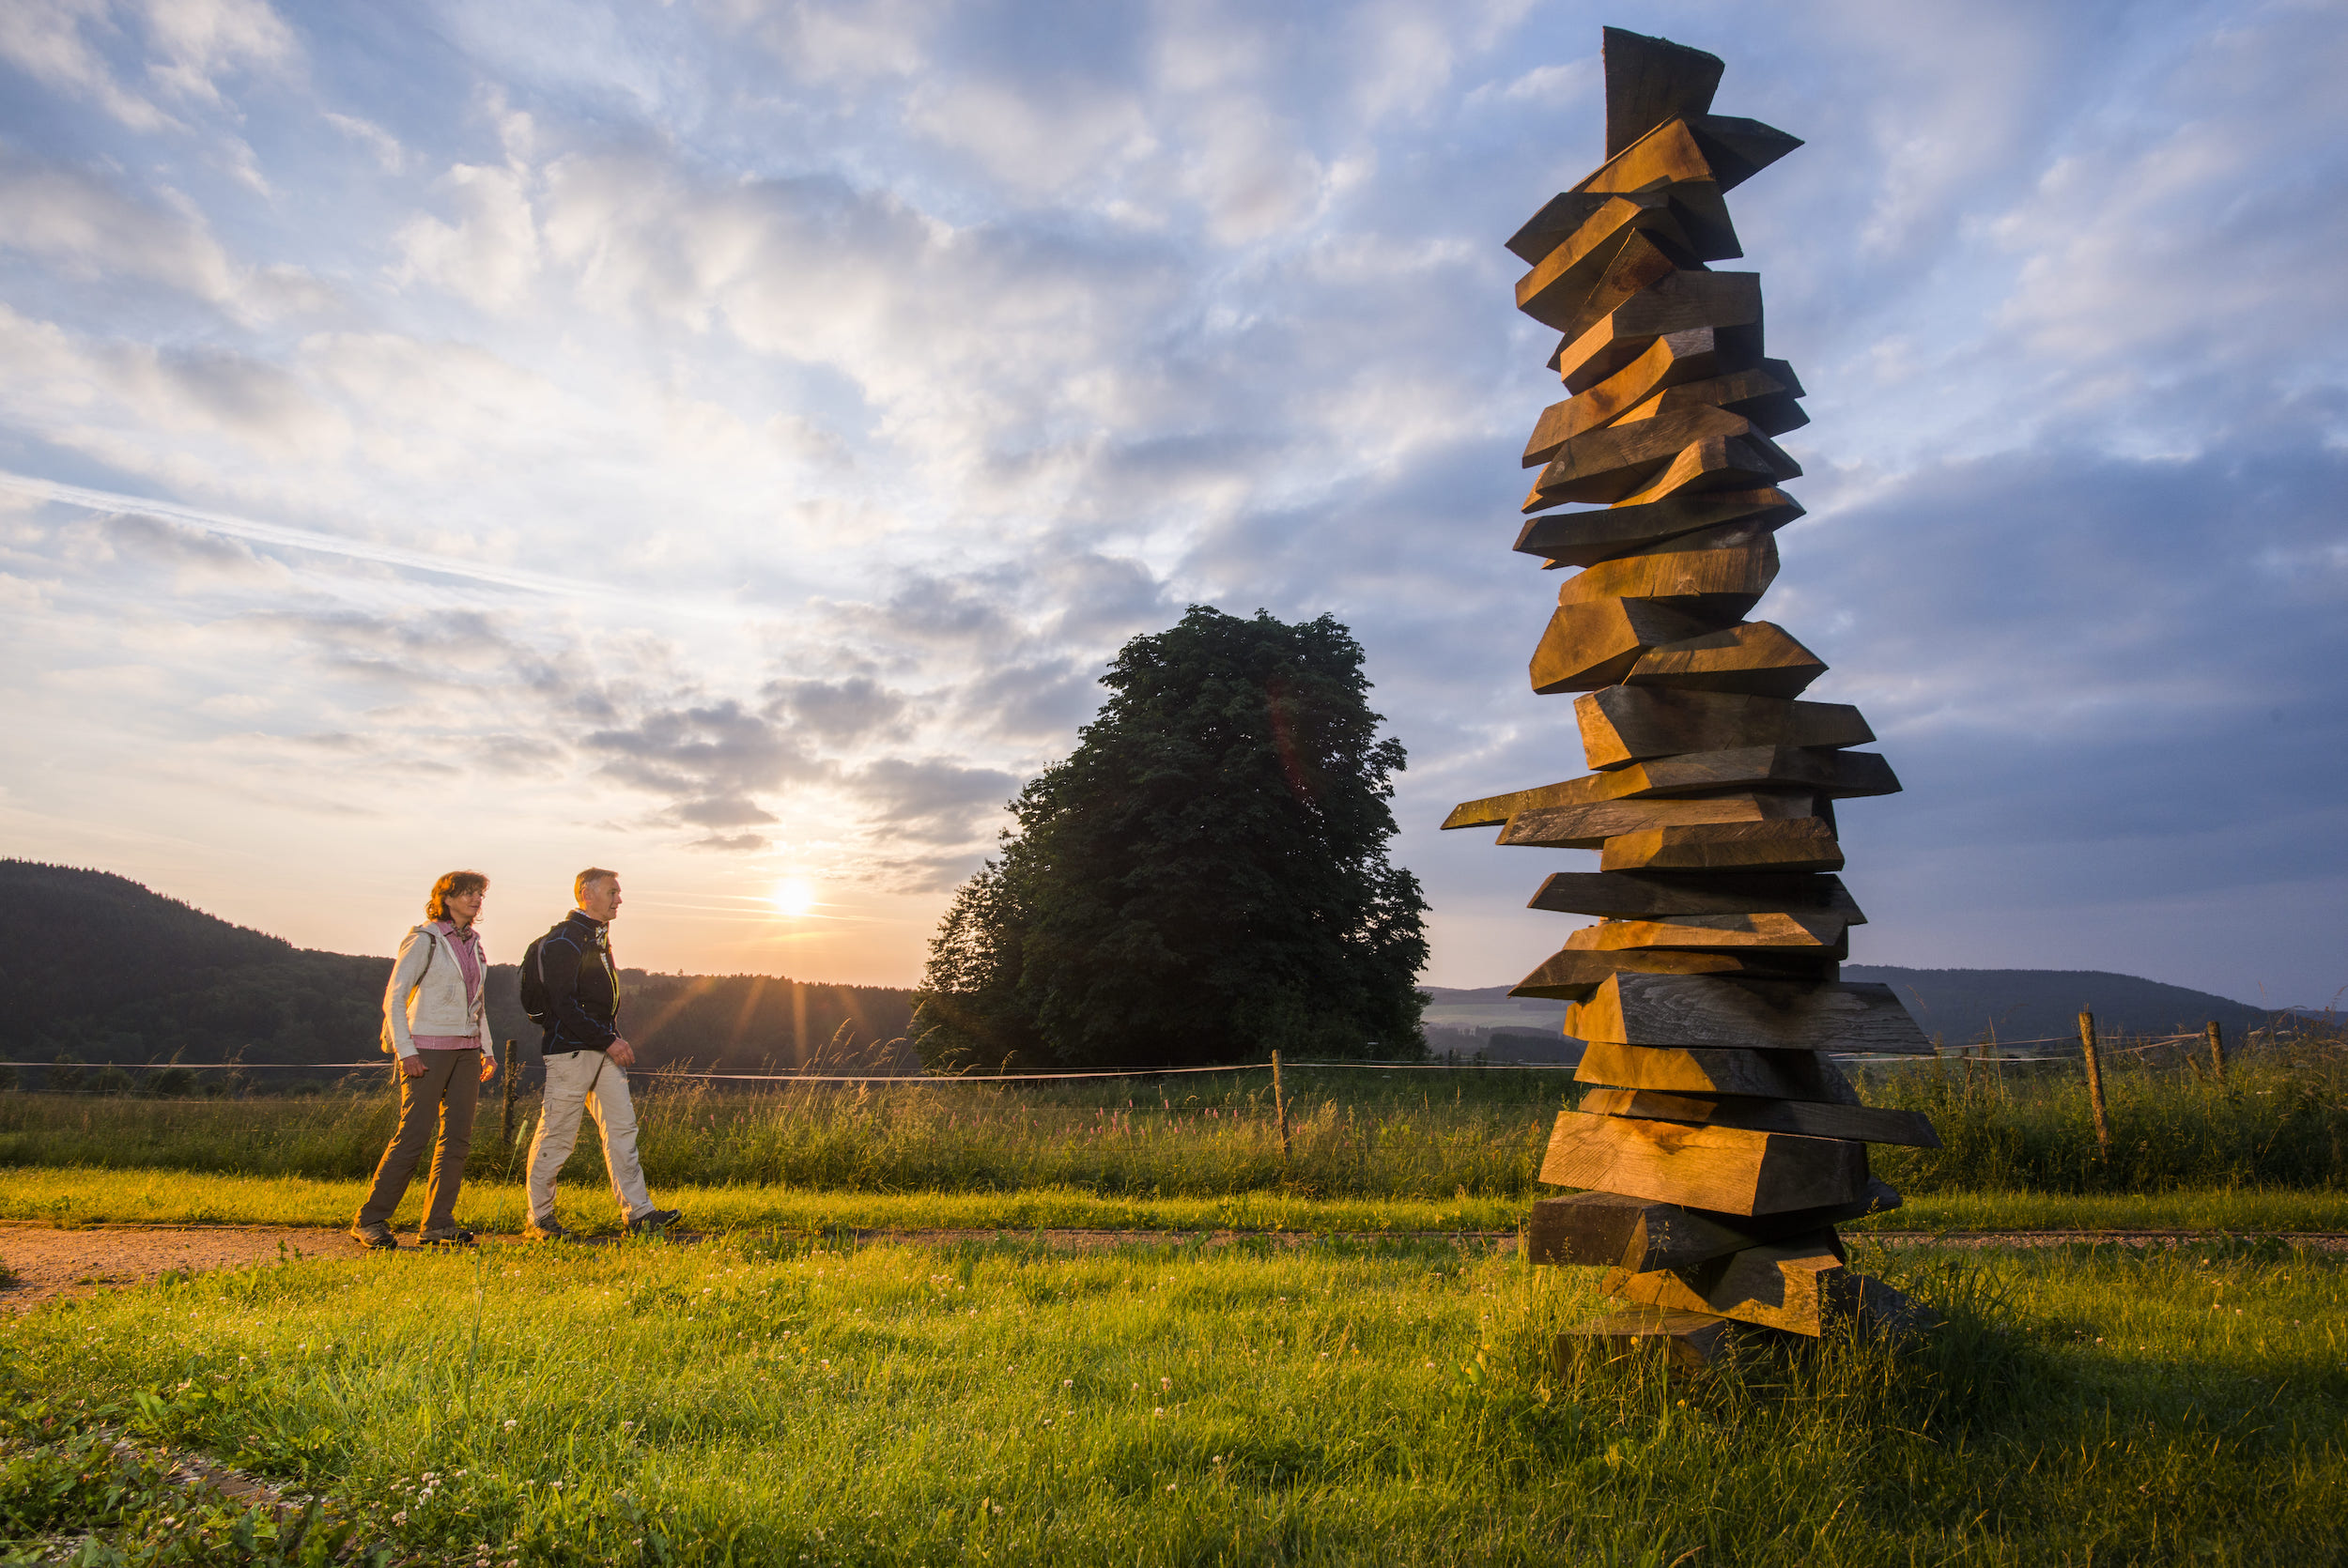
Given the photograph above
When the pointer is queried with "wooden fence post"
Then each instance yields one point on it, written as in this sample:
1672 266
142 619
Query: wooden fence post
2094 1081
2217 1050
505 1140
1280 1108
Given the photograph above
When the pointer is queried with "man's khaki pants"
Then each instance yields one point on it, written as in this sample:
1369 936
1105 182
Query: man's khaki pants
587 1080
445 1091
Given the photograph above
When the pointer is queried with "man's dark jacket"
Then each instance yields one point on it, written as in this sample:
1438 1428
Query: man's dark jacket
583 989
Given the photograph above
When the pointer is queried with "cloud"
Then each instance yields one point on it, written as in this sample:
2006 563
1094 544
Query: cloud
752 426
90 225
44 38
490 253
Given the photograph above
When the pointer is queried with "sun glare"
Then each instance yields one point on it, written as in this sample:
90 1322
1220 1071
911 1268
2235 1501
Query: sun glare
792 896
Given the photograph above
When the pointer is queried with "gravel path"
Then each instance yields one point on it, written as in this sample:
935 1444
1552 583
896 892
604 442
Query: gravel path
48 1263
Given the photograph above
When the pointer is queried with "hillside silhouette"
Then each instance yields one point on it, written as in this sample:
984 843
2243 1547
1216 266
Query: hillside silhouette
1961 1006
101 968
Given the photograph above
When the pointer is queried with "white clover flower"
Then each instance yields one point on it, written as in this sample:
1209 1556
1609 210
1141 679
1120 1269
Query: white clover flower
510 1424
1065 1383
1165 1383
400 1517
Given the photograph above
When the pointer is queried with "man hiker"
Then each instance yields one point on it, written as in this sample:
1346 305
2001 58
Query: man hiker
573 991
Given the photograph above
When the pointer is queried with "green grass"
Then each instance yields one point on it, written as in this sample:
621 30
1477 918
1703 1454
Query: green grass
94 1197
2279 1120
769 1402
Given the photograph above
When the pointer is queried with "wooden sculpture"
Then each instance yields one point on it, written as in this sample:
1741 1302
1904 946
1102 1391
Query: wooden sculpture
1725 1143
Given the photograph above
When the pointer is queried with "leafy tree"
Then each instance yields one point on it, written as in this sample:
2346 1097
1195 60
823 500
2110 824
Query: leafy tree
1204 879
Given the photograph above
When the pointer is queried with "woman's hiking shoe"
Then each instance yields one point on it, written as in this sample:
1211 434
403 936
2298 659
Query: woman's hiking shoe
374 1234
445 1236
654 1222
549 1232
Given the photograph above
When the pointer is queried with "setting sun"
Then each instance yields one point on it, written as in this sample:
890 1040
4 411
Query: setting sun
791 896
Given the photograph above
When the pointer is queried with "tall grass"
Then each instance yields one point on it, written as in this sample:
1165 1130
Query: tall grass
2279 1119
770 1403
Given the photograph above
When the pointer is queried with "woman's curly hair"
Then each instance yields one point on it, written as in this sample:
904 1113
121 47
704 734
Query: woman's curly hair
454 885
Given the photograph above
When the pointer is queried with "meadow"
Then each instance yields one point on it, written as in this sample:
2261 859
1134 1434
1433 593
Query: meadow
786 1392
769 1400
1467 1141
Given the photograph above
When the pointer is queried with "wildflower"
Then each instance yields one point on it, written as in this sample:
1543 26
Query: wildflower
556 1485
400 1517
1169 1487
628 1426
510 1425
1068 1382
1165 1383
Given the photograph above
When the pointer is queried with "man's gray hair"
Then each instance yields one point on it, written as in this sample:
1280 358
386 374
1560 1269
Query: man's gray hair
587 879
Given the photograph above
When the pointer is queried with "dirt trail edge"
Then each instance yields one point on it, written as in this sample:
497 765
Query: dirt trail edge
48 1263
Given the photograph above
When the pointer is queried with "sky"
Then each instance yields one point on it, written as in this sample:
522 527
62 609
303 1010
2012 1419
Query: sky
726 442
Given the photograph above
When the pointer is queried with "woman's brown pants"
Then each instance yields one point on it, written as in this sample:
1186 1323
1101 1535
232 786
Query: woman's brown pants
444 1092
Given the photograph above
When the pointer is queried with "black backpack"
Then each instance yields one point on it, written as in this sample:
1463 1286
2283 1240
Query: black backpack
536 1002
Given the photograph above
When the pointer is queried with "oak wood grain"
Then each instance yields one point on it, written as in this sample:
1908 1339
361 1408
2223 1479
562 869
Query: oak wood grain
1708 1011
1866 1124
1730 1169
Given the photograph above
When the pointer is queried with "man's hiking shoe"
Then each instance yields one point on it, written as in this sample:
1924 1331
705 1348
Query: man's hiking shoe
653 1223
551 1231
374 1234
446 1235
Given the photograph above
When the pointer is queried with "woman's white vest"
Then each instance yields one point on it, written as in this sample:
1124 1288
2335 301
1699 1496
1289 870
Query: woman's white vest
427 995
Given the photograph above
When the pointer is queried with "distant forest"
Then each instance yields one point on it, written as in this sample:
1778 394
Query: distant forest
94 966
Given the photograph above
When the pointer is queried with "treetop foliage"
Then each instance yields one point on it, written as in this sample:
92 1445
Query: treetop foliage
1204 878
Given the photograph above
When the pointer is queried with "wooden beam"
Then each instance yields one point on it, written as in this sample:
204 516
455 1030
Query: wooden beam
1637 1235
1735 148
1651 80
1709 1069
1801 1285
1588 827
1625 246
1672 359
1833 775
1728 303
1573 975
1703 1167
1614 461
1554 223
1713 584
1806 844
1864 1124
1747 462
1767 1015
1586 538
1652 895
1589 645
1630 724
1612 1231
1760 395
1711 933
1757 659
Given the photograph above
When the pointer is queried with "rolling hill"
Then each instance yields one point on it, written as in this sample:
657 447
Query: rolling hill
101 968
1960 1006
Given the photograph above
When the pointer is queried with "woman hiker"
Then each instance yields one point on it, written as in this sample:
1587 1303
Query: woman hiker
436 1024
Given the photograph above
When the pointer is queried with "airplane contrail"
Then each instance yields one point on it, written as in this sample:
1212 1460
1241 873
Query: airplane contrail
305 539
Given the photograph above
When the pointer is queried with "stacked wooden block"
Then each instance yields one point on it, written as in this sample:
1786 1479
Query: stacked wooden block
1724 1142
